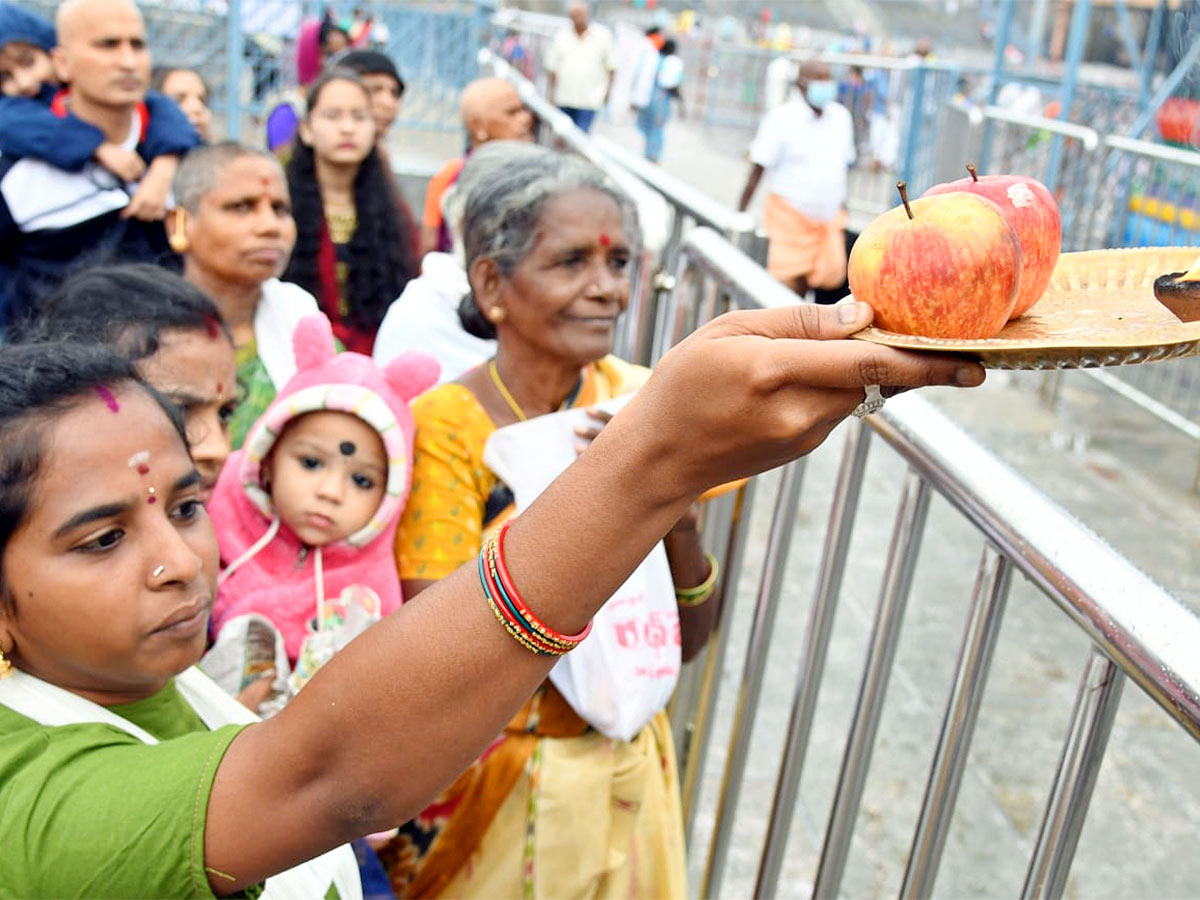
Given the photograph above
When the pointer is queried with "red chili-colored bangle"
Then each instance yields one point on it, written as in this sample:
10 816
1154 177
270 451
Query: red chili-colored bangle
507 582
519 630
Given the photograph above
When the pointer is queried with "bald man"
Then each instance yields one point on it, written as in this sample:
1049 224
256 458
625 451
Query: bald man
805 147
581 62
491 110
53 221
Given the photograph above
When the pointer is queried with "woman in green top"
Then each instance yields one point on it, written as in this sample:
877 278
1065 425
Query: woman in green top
233 225
117 776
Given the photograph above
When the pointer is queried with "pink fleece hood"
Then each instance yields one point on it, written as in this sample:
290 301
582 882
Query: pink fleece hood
266 569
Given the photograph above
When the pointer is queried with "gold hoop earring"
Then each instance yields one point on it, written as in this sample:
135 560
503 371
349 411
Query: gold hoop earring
496 314
178 240
6 668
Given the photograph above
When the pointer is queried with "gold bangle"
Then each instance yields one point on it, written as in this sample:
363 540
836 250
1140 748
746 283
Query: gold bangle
698 595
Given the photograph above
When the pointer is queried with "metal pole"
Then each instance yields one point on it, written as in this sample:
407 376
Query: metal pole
1181 71
1002 34
958 726
714 664
1083 751
671 307
893 597
1076 43
234 49
816 645
1150 53
914 123
1037 33
763 626
1131 47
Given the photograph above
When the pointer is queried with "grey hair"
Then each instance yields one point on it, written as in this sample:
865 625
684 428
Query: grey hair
485 161
199 170
500 222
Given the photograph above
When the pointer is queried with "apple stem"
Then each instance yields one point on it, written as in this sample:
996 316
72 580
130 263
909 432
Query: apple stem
971 169
903 189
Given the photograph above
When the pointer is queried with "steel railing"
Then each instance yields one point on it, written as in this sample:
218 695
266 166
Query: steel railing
1136 629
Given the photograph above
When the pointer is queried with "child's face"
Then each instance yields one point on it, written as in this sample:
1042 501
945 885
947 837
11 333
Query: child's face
327 476
24 68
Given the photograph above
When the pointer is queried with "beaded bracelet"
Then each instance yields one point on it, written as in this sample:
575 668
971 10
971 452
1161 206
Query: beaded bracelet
698 595
570 640
510 609
509 612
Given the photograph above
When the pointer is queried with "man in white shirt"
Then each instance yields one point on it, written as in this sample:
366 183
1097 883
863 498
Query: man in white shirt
806 147
581 62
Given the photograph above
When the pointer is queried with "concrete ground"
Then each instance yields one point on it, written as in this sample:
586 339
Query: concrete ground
1115 468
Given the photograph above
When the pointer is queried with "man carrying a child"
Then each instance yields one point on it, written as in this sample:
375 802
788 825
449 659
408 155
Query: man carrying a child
54 220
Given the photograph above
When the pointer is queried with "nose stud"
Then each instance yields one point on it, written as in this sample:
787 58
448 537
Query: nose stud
158 570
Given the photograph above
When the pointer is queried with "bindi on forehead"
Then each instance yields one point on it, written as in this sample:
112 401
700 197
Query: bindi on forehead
140 462
109 400
347 448
605 240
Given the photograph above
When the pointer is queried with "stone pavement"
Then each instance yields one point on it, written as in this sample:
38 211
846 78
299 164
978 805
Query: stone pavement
1115 468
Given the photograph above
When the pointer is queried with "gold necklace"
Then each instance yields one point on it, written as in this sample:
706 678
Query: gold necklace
505 393
342 224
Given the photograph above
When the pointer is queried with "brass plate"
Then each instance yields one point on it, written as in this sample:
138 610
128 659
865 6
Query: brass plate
1099 310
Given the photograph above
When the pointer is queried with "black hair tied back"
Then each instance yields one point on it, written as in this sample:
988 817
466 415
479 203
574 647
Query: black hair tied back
474 322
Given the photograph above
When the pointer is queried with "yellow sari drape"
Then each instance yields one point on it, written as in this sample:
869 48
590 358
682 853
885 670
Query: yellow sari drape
553 808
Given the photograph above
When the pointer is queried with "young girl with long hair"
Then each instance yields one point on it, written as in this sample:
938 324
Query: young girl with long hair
355 249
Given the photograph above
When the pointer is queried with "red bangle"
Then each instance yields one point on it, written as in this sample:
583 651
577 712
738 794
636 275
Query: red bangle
492 591
507 582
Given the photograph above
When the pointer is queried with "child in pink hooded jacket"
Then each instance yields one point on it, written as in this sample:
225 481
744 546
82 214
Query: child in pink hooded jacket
306 511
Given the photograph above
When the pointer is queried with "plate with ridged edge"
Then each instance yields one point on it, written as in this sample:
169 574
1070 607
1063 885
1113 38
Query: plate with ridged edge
1098 310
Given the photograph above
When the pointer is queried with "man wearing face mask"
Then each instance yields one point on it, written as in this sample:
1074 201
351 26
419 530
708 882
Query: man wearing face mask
806 147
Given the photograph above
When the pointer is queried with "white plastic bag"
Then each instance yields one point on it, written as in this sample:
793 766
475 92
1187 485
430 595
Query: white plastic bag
627 668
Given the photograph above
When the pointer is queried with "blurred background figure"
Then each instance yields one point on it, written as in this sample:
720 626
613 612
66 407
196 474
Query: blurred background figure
190 93
581 63
491 110
655 86
805 147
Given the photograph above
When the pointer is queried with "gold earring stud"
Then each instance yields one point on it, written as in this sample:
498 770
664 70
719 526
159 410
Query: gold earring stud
5 666
496 315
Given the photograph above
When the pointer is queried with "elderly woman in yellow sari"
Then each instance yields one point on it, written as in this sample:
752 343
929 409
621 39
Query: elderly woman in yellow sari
554 808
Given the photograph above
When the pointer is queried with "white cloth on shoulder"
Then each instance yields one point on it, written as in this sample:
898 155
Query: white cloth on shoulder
279 310
49 704
425 317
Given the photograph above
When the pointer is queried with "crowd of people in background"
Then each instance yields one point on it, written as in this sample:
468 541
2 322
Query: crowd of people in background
284 299
374 411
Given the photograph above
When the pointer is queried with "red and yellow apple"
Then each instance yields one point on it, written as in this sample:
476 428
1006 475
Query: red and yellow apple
945 266
1031 210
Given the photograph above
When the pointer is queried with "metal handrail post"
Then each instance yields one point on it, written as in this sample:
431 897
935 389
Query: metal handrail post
881 653
669 315
958 726
1001 44
1083 751
914 123
714 664
235 48
816 645
1076 39
769 590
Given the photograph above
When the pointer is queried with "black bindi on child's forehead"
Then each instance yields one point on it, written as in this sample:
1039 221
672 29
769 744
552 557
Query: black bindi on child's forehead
347 448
